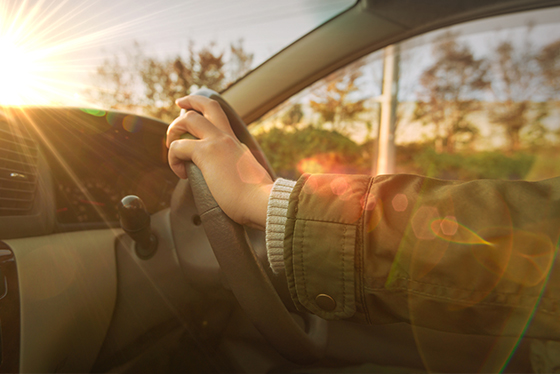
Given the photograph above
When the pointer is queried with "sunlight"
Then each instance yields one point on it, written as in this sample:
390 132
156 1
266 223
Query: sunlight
29 68
17 67
47 49
51 49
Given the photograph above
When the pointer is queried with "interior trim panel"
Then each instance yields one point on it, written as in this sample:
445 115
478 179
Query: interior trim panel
9 312
67 285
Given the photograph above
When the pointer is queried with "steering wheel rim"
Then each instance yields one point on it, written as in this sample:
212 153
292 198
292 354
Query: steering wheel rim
242 269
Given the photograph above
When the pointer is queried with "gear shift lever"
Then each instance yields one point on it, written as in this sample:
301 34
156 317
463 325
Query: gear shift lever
135 221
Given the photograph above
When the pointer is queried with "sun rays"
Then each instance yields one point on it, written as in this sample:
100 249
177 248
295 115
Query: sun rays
46 48
51 49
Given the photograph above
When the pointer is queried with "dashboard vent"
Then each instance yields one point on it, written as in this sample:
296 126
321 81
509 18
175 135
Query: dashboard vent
18 170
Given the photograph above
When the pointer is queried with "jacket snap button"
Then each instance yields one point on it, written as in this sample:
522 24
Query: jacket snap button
325 302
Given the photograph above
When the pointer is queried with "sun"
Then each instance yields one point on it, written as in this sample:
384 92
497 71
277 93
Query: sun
42 48
50 49
17 69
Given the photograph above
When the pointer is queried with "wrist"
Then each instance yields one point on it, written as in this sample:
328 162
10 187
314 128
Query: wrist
258 202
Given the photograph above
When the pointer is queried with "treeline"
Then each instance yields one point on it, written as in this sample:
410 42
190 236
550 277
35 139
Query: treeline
515 86
514 89
132 80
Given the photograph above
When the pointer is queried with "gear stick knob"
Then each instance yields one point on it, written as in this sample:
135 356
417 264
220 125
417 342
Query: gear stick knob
135 221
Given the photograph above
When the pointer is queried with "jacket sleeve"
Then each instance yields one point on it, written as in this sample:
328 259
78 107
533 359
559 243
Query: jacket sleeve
472 257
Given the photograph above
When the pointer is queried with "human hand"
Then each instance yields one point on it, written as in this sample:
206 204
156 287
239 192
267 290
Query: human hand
240 185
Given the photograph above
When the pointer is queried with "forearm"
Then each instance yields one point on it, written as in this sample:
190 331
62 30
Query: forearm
452 256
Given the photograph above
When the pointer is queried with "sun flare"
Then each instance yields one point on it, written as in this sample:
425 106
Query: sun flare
26 66
48 49
17 68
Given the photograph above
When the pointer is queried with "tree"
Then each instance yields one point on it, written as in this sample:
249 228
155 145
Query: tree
516 82
142 83
549 63
116 82
449 91
240 61
161 88
293 115
335 102
207 68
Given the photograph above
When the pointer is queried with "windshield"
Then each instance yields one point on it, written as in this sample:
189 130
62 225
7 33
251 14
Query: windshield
140 55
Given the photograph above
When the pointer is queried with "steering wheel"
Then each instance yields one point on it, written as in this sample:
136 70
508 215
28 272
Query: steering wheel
242 269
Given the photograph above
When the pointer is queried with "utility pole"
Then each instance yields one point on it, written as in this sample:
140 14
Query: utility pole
388 100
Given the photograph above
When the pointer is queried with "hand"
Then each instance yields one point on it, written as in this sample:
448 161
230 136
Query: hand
240 185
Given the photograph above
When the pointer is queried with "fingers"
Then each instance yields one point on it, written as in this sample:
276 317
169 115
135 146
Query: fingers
209 108
179 152
193 123
205 120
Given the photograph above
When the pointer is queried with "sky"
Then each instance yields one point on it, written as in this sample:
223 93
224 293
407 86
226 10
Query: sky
51 48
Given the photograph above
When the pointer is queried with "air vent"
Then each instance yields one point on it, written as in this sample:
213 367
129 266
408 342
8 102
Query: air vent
18 170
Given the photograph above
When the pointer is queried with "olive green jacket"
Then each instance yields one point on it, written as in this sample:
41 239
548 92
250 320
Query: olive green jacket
472 257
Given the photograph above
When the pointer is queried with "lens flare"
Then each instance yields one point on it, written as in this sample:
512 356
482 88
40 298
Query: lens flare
421 220
311 166
132 123
374 205
94 112
247 172
400 202
531 312
450 230
341 188
328 163
50 49
518 256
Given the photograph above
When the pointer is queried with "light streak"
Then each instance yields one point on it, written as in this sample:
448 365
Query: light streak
91 202
46 47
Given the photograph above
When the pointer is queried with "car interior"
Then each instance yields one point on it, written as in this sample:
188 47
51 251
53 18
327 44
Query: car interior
153 283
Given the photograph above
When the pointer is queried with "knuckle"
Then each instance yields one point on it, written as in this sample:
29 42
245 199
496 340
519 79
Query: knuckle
190 115
213 104
172 126
172 132
173 148
174 145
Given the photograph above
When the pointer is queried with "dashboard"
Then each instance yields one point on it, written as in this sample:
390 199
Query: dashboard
94 158
62 173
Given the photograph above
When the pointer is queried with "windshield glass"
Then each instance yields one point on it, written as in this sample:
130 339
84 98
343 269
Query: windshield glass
140 55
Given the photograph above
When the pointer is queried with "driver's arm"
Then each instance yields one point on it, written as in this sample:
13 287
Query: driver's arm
473 257
469 257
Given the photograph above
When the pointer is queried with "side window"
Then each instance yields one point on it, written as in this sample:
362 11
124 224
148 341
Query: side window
329 127
476 100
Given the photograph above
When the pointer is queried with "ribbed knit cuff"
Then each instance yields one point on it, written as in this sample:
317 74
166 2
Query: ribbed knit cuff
276 222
